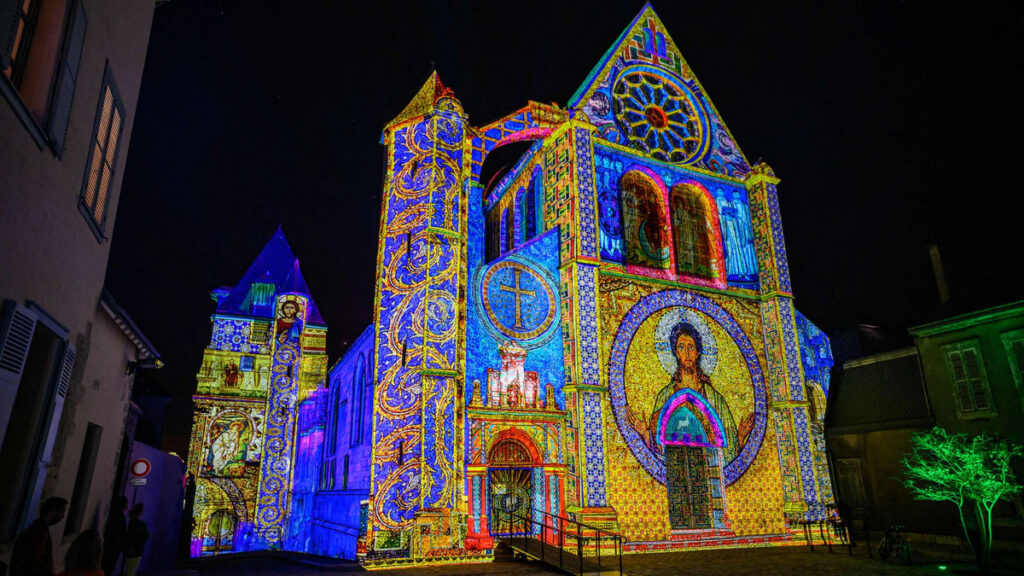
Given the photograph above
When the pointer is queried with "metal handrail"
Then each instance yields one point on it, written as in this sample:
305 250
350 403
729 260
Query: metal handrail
513 520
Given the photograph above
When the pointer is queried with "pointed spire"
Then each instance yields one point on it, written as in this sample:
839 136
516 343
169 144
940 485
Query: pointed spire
277 264
423 102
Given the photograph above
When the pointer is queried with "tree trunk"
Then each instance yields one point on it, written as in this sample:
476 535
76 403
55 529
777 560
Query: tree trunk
984 538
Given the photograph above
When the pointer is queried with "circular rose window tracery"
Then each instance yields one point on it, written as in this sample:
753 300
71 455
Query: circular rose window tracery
659 115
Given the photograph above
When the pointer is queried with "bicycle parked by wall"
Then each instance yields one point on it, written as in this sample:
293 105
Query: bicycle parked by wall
893 548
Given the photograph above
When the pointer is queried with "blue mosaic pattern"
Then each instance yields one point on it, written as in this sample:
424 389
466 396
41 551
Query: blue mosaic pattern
545 351
789 341
476 504
816 353
616 377
556 509
233 336
276 465
593 448
781 261
589 357
585 190
538 499
519 301
414 446
803 443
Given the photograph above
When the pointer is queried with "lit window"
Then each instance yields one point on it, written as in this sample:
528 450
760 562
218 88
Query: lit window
14 66
643 216
967 373
1014 344
40 53
99 175
690 226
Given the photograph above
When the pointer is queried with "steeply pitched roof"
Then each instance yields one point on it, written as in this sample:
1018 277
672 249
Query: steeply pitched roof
646 43
423 102
277 265
884 391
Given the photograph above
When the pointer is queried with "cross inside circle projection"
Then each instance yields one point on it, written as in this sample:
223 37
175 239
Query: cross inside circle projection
519 302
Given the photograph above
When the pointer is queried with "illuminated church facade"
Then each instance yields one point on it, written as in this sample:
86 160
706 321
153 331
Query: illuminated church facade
605 333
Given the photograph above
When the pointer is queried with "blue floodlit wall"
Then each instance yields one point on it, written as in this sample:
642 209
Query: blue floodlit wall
491 322
343 470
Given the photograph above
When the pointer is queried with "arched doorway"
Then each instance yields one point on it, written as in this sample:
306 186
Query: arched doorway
220 532
512 461
691 434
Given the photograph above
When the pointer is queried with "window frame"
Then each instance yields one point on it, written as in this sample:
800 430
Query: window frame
702 247
973 345
88 212
1008 338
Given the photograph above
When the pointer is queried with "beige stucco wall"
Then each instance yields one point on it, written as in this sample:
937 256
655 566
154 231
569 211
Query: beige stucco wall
49 255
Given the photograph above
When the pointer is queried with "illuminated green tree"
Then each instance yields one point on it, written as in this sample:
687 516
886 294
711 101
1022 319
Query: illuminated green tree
973 473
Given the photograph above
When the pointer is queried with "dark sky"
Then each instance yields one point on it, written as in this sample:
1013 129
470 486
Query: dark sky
892 125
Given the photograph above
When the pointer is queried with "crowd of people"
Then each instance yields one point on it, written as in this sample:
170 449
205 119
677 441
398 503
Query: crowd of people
90 554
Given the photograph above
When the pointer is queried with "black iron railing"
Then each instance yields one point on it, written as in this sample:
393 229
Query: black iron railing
571 546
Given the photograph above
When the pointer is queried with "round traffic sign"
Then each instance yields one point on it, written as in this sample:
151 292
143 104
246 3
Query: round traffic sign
140 468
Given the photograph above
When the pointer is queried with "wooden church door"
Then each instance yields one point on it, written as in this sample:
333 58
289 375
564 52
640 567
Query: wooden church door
510 490
689 487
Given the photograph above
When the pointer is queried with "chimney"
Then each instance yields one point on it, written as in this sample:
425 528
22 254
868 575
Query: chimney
940 274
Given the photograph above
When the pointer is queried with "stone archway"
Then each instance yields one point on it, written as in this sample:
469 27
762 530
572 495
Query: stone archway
513 460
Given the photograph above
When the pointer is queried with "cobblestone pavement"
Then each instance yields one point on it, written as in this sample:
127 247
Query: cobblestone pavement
788 561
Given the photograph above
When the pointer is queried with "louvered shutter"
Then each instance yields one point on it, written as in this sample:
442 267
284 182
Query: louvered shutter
63 381
976 379
1016 357
67 76
10 14
960 381
16 330
57 410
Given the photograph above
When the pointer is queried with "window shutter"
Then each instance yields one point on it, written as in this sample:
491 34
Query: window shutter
16 330
1017 356
960 381
67 76
10 14
978 389
64 381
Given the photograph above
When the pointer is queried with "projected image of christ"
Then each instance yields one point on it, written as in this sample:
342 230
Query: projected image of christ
686 346
288 327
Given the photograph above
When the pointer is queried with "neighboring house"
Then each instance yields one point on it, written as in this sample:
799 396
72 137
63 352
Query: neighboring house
70 72
964 374
974 367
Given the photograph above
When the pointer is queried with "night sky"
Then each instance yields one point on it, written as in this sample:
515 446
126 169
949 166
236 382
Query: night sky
892 127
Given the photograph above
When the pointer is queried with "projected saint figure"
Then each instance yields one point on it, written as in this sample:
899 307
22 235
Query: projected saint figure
289 326
227 452
686 347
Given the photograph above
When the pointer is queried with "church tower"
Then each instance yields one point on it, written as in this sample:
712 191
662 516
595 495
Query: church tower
604 334
416 491
267 354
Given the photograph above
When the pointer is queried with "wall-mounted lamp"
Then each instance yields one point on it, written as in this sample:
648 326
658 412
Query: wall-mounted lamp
147 364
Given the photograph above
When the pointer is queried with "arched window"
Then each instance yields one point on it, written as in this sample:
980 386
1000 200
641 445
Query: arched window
643 217
691 231
519 206
509 452
358 413
332 439
508 231
493 233
534 224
